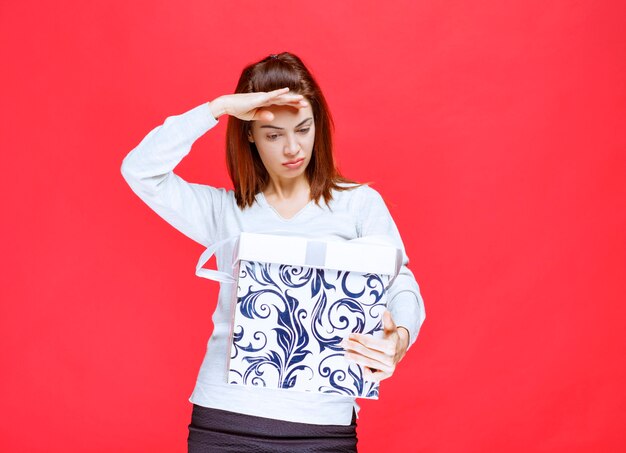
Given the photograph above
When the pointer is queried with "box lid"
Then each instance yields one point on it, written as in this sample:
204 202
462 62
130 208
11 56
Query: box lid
356 256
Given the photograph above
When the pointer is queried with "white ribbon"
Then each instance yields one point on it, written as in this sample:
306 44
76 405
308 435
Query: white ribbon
315 255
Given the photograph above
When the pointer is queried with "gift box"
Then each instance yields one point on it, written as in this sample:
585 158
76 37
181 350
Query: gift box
296 299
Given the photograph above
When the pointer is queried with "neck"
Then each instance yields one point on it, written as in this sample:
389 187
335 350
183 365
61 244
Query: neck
289 189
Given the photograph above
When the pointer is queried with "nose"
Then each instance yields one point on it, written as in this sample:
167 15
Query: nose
292 146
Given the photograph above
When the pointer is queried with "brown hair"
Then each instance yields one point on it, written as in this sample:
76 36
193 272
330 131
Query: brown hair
245 167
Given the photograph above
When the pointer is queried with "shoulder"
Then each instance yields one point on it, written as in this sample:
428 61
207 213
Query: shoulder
358 198
228 195
363 194
354 190
212 200
217 193
369 193
362 201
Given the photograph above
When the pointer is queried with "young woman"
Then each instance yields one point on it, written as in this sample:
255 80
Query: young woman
280 160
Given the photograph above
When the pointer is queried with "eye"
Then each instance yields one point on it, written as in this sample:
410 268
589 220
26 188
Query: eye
272 137
305 130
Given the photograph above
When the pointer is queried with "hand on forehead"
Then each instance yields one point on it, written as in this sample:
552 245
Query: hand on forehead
285 116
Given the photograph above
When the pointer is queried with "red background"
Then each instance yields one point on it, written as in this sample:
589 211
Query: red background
494 129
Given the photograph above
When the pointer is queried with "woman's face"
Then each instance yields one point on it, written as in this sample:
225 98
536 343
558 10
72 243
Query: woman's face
285 144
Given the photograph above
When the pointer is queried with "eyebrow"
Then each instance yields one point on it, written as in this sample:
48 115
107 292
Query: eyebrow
281 128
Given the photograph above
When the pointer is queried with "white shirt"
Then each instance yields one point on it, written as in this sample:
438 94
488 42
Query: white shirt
207 214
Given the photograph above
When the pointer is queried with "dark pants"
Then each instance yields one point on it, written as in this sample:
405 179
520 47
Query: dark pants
216 431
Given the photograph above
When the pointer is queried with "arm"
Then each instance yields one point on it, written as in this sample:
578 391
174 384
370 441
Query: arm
193 209
404 298
405 314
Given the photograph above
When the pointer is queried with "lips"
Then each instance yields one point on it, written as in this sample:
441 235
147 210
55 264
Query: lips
294 163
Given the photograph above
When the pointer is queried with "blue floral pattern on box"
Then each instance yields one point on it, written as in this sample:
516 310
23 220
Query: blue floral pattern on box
289 321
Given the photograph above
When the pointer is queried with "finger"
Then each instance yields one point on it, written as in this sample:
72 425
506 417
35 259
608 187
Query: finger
278 91
354 346
366 361
292 99
388 324
282 93
284 99
375 375
296 103
380 344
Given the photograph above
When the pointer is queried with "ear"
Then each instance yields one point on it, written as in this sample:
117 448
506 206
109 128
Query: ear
250 138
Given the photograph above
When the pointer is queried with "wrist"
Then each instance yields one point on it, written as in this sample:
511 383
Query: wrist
217 107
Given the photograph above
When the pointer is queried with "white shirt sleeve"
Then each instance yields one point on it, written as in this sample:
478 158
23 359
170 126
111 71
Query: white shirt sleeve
404 298
193 209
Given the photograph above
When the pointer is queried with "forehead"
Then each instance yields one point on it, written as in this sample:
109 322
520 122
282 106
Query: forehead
285 116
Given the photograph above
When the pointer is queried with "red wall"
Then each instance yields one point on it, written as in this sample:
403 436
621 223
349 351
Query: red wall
495 130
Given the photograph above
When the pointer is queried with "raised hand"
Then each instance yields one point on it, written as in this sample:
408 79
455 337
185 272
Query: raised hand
378 356
249 106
